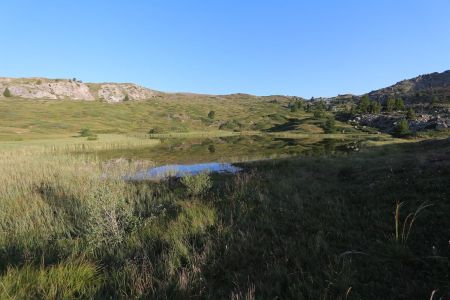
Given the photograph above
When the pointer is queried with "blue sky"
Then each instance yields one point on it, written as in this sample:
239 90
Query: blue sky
304 48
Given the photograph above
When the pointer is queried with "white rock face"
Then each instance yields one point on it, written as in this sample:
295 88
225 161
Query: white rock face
46 89
116 92
59 89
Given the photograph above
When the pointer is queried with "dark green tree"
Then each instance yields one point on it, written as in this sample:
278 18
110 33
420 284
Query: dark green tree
364 104
375 107
126 98
399 104
293 107
330 125
7 93
390 104
85 132
410 114
434 100
319 113
212 115
402 129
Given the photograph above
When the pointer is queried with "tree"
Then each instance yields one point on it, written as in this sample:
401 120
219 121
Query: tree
319 113
402 129
7 93
375 107
399 104
390 104
434 100
364 104
126 98
293 107
410 114
211 114
329 126
85 132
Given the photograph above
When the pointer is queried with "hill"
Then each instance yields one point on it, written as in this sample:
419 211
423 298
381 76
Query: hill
421 89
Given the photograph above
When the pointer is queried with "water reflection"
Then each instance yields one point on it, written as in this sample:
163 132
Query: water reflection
183 170
232 149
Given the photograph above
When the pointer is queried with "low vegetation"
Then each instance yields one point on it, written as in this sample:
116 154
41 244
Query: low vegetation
323 228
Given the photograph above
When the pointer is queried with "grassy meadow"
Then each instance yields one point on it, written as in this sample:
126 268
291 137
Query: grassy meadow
318 222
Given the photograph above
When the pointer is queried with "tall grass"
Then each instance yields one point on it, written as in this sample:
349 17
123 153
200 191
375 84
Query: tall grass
72 227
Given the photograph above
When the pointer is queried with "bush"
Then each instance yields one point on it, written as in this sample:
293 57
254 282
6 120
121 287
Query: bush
329 126
85 132
231 125
126 98
399 104
402 129
319 113
375 107
410 114
364 104
390 104
197 185
7 93
211 114
155 130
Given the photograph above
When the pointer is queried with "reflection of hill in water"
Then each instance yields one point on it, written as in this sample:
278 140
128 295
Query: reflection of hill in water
231 149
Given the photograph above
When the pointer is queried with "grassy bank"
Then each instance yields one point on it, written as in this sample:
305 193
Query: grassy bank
306 228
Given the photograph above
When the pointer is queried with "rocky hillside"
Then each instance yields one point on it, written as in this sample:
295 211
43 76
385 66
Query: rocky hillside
59 89
424 88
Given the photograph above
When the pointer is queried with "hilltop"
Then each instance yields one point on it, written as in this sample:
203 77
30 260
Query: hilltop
423 88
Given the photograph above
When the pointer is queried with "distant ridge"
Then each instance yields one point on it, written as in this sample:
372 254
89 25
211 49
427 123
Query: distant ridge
423 88
418 89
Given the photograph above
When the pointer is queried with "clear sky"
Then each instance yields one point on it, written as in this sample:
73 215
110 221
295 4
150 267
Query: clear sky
304 48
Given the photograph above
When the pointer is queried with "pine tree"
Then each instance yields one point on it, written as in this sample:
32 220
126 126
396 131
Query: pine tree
410 114
390 104
329 126
364 104
375 107
399 104
402 128
7 93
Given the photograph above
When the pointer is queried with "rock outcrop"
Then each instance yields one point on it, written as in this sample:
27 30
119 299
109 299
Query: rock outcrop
60 89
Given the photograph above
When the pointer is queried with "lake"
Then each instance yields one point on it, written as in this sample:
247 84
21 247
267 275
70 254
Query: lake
181 156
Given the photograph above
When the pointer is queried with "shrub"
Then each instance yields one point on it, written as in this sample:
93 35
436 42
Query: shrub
293 108
390 104
197 185
211 114
7 93
231 124
402 129
155 130
364 104
329 126
375 107
319 113
85 132
399 104
126 98
410 114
